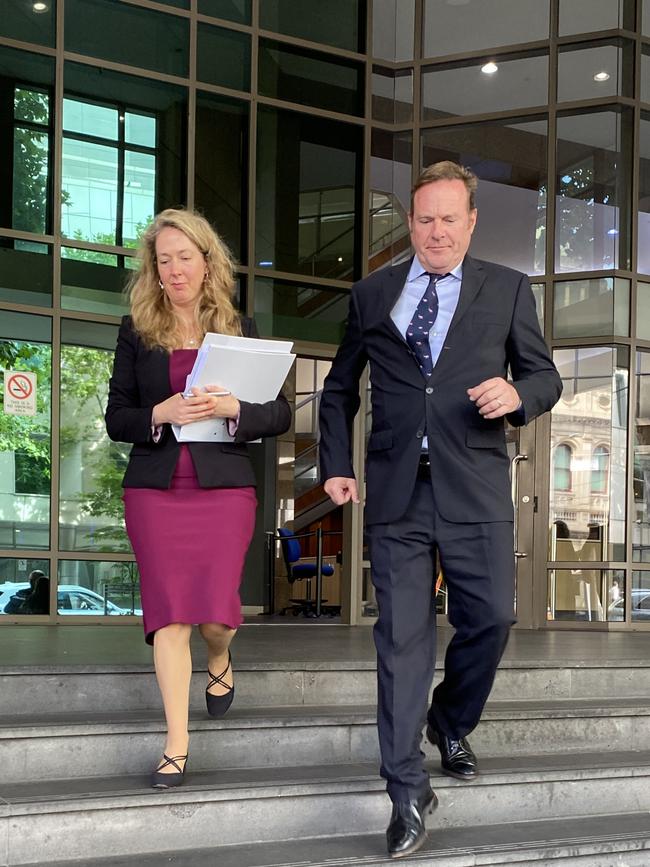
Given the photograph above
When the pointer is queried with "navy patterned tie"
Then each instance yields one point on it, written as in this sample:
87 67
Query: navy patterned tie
417 333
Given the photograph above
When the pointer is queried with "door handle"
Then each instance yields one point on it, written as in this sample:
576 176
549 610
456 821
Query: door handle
514 473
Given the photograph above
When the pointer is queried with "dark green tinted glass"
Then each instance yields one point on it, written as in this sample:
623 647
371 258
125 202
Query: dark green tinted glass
643 245
603 15
595 69
303 76
308 188
230 10
338 22
221 166
300 311
128 34
224 57
28 21
91 282
25 272
26 88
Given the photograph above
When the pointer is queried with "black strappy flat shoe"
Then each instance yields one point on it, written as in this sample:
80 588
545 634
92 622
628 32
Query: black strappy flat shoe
167 781
219 704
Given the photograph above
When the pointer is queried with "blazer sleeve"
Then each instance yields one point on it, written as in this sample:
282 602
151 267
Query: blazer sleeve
126 420
340 400
534 375
261 419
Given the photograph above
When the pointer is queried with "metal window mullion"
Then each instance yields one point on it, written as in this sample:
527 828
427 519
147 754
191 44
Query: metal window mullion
252 161
191 108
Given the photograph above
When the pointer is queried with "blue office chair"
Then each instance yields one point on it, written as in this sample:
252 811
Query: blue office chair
296 571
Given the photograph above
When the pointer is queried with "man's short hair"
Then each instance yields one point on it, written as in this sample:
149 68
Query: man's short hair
446 170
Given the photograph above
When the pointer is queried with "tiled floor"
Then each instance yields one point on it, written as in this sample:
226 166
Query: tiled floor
269 645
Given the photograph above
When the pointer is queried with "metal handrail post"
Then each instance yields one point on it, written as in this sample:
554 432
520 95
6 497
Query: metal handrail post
319 569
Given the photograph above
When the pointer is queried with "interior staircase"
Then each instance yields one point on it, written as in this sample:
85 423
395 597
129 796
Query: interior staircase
289 776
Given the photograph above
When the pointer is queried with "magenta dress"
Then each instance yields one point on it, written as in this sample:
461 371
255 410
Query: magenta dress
190 542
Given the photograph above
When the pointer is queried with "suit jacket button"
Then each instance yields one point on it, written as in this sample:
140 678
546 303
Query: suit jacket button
420 434
429 390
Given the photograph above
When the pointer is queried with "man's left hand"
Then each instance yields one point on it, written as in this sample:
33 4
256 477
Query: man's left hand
495 397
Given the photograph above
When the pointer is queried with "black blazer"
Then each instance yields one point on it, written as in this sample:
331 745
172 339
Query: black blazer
140 380
494 329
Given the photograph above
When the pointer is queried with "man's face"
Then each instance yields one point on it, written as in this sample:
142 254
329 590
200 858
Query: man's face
441 225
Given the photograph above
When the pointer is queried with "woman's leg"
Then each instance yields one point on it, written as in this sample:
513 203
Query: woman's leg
173 662
218 637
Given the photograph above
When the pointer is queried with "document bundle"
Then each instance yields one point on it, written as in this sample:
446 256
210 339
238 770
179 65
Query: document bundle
250 368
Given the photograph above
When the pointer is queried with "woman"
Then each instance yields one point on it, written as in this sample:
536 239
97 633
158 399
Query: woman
189 509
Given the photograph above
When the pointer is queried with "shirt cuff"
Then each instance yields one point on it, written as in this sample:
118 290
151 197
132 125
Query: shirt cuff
156 430
233 424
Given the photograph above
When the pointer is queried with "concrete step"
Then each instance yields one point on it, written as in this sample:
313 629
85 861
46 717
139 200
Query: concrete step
76 688
70 745
621 840
77 819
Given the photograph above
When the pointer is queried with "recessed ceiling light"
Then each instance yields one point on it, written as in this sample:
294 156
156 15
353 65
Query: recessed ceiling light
489 68
601 76
39 6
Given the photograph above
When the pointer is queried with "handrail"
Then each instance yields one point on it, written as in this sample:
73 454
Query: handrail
315 395
515 497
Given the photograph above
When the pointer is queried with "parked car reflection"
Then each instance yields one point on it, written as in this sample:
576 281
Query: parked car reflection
71 599
640 606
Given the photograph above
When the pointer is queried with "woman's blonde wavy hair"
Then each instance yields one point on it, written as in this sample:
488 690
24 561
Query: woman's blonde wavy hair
151 312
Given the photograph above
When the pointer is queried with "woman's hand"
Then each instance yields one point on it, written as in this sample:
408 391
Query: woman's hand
202 405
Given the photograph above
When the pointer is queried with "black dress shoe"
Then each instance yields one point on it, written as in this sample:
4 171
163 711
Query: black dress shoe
406 832
457 758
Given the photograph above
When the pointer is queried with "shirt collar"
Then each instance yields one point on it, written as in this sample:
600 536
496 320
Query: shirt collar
416 270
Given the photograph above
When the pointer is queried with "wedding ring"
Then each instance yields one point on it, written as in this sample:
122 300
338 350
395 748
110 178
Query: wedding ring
499 403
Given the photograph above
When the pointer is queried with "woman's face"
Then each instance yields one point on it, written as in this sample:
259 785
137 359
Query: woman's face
181 267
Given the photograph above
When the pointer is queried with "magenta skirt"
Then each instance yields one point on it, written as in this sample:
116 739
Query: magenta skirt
190 544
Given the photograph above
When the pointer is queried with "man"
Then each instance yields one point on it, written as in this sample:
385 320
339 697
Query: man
440 334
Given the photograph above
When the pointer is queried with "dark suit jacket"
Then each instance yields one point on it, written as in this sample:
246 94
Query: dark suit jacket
494 328
140 380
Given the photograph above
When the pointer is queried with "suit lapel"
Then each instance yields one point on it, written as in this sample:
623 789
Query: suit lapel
391 289
473 279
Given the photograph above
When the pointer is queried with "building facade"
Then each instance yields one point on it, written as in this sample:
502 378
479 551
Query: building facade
297 128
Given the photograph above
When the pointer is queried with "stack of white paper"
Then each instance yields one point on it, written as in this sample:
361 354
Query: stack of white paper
251 368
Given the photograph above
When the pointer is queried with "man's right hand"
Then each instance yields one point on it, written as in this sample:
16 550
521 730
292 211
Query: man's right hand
341 490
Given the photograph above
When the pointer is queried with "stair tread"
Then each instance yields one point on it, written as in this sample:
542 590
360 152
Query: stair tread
582 834
294 715
357 776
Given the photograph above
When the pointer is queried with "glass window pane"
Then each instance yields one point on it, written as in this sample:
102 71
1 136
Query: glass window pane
140 129
31 153
591 308
93 282
309 78
645 74
591 416
221 166
592 224
539 291
643 311
90 119
640 597
595 71
510 159
154 178
643 244
128 34
300 311
20 20
602 15
454 27
392 95
583 594
230 10
89 190
98 587
308 183
139 204
26 87
91 466
224 57
24 586
390 181
393 29
645 27
25 458
641 523
338 22
460 89
25 272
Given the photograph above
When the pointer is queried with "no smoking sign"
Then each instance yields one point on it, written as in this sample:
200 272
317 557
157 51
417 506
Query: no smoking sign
20 392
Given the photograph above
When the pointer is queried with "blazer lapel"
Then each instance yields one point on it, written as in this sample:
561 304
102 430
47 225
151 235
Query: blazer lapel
391 289
473 279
